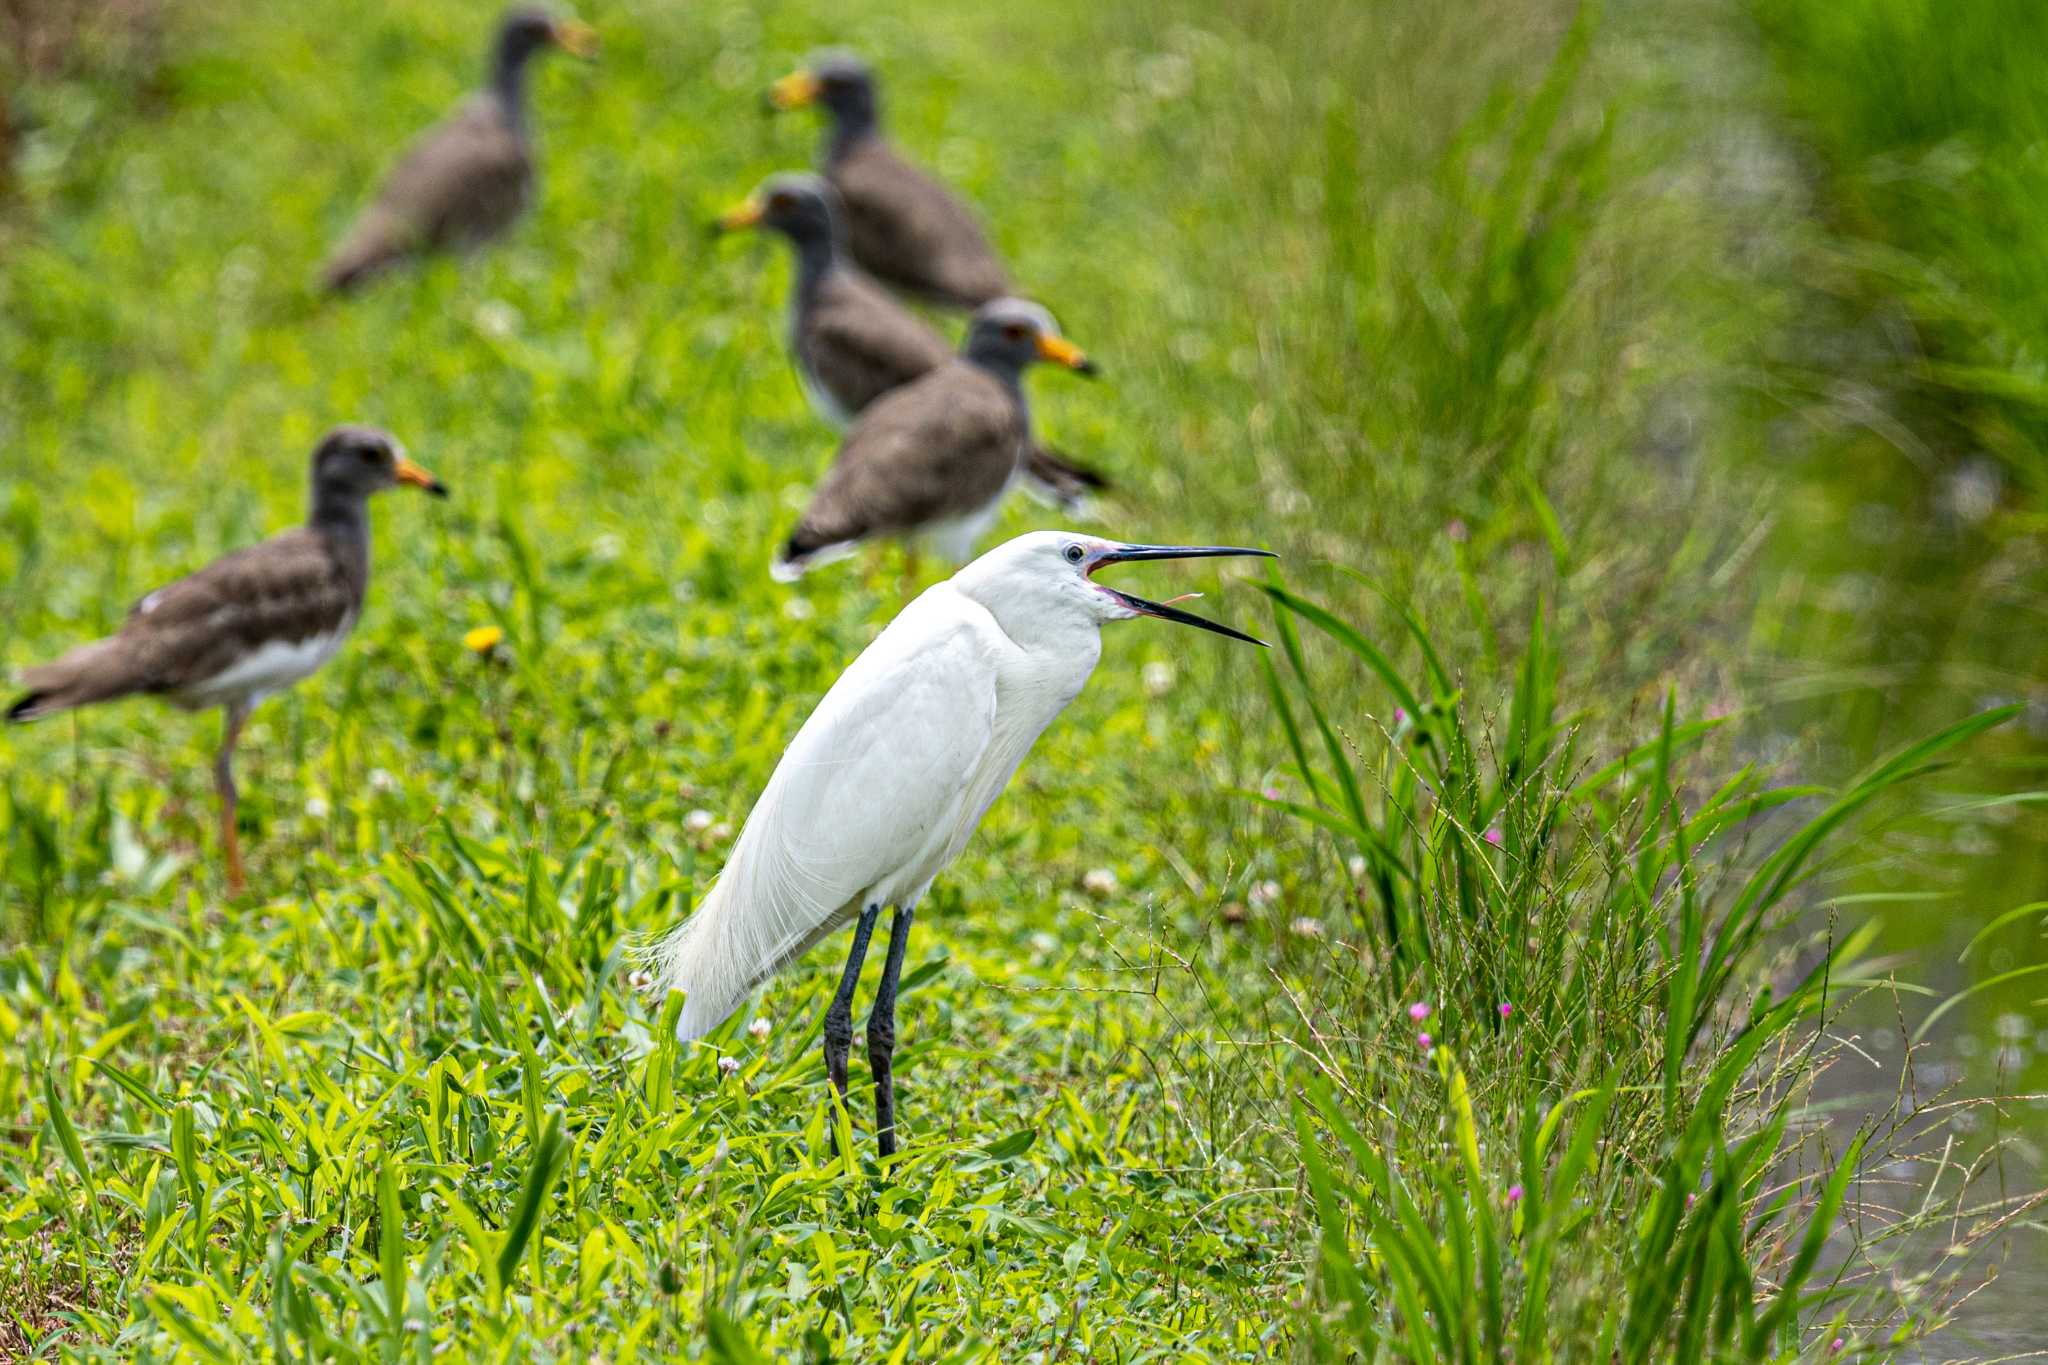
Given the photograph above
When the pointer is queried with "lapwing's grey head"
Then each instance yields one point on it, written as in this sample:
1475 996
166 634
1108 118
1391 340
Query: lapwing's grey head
1007 334
527 29
1048 574
837 80
356 461
799 205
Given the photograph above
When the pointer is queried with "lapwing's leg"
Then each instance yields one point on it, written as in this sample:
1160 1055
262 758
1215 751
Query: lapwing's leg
839 1014
232 717
882 1033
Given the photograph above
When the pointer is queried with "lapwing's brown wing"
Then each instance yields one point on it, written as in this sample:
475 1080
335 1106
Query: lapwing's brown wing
857 343
911 232
939 448
295 587
465 181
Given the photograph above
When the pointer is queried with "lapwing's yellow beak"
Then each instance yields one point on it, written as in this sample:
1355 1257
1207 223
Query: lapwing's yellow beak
418 477
745 216
1061 351
576 38
795 90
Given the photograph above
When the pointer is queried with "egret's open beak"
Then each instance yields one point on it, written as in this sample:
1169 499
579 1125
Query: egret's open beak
745 216
1160 609
408 472
795 90
1061 351
575 37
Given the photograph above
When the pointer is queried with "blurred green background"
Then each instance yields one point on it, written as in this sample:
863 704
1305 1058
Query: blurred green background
1715 327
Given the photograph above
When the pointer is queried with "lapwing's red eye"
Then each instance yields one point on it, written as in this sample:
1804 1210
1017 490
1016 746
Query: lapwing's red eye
1016 331
781 203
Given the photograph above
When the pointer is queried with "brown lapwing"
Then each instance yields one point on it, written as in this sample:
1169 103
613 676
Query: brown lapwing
931 460
249 624
468 178
851 340
905 229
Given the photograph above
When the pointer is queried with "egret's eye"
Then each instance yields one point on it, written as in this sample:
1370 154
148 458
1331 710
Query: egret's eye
1074 554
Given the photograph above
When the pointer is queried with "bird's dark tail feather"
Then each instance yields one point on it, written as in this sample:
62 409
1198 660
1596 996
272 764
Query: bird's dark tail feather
1059 481
1062 466
98 671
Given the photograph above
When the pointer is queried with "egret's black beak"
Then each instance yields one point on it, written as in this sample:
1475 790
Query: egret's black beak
1160 609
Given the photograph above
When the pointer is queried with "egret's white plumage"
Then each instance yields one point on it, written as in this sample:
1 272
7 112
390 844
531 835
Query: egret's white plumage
887 780
879 790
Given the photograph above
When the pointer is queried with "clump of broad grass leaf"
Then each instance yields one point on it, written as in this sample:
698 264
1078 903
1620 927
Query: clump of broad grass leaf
1557 1075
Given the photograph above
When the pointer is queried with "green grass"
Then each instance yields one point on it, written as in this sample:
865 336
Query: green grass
405 1099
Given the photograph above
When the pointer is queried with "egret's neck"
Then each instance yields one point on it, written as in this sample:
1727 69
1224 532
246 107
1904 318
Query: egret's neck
1039 623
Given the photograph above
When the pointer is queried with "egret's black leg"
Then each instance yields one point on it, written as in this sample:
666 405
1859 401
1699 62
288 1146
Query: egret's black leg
839 1014
882 1033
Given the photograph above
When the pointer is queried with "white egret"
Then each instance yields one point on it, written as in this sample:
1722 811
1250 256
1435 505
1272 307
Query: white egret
885 782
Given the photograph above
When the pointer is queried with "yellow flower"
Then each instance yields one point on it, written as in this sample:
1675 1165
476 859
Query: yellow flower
483 639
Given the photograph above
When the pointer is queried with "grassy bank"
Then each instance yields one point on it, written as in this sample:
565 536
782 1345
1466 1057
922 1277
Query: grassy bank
1415 296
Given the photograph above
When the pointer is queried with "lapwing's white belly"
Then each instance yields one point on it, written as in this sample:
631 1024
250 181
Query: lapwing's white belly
270 667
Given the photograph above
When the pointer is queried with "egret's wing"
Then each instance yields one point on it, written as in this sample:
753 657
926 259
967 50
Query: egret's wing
867 795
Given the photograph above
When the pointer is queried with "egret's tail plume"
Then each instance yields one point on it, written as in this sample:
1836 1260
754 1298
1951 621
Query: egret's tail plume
688 959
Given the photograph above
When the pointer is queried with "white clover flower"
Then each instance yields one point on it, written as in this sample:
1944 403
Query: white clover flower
1307 927
496 318
1264 893
728 1065
1099 882
1157 678
760 1028
697 821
